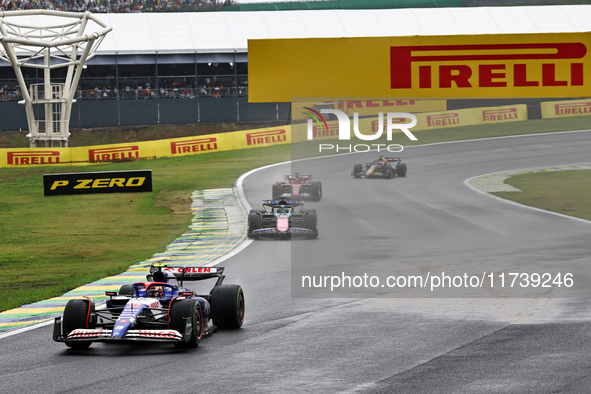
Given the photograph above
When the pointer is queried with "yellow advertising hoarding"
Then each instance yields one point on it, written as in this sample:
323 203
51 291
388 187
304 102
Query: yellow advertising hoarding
485 66
146 149
566 108
250 138
425 121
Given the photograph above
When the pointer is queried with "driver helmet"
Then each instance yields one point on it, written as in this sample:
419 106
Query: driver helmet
155 291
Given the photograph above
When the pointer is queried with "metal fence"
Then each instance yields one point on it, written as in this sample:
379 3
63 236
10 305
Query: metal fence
146 93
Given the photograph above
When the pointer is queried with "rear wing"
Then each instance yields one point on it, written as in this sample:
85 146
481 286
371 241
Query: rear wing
187 273
391 159
276 203
298 175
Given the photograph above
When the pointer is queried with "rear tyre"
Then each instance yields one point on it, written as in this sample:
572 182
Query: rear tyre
254 222
311 223
277 191
401 169
127 290
227 306
77 314
182 309
357 170
316 189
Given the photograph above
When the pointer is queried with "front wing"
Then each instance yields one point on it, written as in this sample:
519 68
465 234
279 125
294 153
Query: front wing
272 231
104 334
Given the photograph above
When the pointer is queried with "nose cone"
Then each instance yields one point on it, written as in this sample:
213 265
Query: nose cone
121 328
282 223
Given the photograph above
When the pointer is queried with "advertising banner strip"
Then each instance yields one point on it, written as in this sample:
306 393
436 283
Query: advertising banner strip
267 136
425 121
460 66
97 182
566 108
143 150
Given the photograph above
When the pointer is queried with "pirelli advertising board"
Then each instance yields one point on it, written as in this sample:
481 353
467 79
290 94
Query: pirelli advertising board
466 66
425 121
566 108
146 149
97 182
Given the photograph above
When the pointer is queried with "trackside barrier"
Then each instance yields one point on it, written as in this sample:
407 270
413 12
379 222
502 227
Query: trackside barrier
566 108
425 121
146 149
245 139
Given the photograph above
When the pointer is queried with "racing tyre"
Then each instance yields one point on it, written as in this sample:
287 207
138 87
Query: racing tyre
77 314
254 222
311 223
180 310
357 170
127 290
277 191
316 189
227 306
401 169
388 172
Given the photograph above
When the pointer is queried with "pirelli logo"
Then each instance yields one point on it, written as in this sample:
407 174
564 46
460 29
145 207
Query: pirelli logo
499 115
540 65
266 137
194 145
447 119
31 157
120 153
322 132
375 124
580 108
98 182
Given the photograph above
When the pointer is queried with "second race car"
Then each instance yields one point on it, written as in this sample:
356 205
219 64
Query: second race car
381 168
282 219
297 186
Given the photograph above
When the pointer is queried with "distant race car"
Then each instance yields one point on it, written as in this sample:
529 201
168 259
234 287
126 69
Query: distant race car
159 309
297 186
381 168
281 218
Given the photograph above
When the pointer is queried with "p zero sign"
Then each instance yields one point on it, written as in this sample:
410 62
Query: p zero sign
98 182
516 65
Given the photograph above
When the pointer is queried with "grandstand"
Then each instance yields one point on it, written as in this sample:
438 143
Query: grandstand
193 67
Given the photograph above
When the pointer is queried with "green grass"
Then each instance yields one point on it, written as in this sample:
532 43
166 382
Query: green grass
50 245
566 192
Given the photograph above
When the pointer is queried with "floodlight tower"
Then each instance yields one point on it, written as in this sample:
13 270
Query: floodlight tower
61 43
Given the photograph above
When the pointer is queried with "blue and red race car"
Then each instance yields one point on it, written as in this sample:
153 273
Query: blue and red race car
159 309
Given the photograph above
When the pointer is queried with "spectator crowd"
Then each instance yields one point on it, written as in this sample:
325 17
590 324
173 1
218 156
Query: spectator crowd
115 6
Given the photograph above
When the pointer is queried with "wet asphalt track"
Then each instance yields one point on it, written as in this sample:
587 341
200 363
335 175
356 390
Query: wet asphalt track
387 343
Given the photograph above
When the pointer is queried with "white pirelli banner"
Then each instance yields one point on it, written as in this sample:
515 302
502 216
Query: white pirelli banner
565 108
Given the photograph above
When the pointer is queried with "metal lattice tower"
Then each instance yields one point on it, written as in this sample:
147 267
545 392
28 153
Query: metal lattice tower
61 44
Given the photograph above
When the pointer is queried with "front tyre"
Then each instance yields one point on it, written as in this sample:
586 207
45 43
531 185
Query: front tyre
77 314
180 311
227 306
357 170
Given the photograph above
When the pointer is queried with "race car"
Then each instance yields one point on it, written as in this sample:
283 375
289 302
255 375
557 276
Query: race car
159 309
380 168
281 218
299 187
